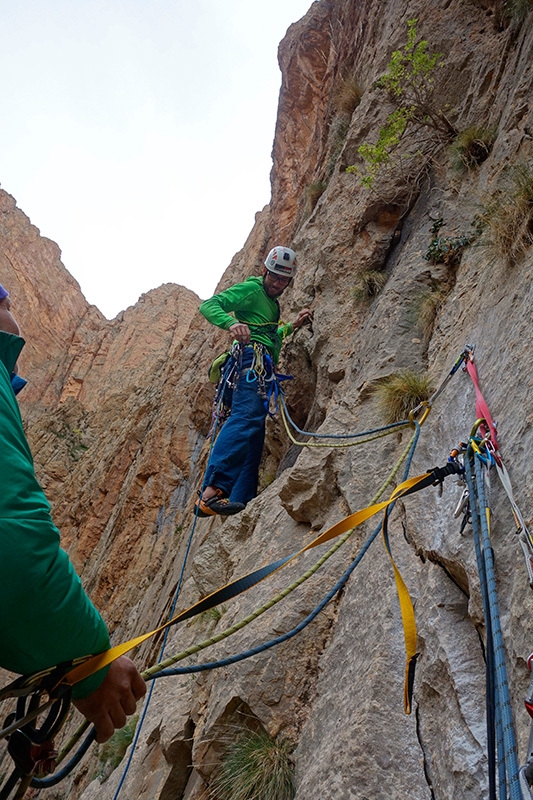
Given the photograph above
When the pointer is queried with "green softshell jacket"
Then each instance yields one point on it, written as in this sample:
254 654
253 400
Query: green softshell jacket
45 615
249 303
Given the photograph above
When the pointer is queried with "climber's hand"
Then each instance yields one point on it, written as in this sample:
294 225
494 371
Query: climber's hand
114 700
304 317
241 331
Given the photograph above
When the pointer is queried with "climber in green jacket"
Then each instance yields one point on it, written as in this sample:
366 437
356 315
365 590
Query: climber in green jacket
250 312
45 615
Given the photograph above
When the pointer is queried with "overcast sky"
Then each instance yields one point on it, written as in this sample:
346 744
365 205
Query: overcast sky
137 134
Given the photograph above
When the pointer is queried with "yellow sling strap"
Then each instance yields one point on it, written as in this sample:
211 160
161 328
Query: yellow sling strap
95 663
408 621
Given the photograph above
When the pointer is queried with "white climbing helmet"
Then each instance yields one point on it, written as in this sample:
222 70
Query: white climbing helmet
281 261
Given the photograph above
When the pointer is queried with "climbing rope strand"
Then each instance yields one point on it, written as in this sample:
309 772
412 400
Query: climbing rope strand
378 435
375 433
489 646
388 428
163 645
502 686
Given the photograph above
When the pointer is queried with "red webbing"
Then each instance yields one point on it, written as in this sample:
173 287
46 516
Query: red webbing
482 409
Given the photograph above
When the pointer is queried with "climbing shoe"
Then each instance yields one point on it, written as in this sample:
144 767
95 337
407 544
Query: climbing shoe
218 504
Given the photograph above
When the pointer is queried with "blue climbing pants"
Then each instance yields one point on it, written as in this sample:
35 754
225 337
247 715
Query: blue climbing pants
234 462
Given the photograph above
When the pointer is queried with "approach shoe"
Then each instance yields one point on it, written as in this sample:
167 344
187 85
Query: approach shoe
218 504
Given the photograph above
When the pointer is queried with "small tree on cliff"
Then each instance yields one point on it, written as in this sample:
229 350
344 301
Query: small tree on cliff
409 84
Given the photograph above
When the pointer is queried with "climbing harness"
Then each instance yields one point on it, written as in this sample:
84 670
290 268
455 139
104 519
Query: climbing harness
228 367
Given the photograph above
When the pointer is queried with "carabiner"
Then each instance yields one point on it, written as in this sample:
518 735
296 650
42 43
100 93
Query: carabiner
427 408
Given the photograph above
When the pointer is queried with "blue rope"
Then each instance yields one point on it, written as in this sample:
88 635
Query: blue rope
224 662
165 637
489 648
500 749
57 777
393 425
502 685
167 630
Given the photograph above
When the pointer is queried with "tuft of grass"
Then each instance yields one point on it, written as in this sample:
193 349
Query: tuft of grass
426 307
369 284
255 767
111 753
338 131
517 10
471 147
508 216
313 193
401 392
347 95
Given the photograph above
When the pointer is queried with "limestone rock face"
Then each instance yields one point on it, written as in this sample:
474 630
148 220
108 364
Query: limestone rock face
117 414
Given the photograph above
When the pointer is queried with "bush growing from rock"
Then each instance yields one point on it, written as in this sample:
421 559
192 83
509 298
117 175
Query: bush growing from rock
401 392
255 767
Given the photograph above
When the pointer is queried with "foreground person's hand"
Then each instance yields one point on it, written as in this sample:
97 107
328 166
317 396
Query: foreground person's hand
114 700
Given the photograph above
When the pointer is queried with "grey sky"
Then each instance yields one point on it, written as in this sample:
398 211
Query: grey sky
137 133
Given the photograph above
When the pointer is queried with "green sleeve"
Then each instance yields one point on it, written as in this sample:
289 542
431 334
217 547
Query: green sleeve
217 309
285 330
46 617
249 304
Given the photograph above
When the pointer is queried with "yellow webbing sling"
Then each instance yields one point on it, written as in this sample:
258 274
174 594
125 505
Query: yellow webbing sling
95 663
